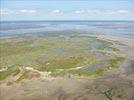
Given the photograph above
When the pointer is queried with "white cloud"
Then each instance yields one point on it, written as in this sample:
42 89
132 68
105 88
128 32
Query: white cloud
107 12
123 11
56 11
13 11
5 11
27 11
79 11
86 12
93 11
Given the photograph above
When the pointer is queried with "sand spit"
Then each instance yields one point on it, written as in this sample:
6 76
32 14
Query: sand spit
44 75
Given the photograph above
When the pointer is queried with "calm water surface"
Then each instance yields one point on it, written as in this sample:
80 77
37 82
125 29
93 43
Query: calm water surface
118 28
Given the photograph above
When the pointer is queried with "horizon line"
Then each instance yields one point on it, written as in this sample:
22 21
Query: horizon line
64 20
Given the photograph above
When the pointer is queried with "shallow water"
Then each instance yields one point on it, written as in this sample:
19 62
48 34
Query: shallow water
118 28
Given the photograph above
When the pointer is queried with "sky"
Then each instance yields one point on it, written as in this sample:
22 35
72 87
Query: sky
67 10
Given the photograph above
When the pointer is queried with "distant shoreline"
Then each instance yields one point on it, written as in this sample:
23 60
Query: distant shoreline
66 20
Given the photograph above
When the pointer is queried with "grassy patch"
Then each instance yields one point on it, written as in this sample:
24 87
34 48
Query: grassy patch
97 72
53 53
10 71
113 63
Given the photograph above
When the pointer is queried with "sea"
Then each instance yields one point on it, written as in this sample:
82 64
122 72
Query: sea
116 28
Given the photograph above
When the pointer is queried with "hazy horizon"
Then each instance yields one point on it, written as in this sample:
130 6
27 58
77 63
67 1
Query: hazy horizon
67 10
64 20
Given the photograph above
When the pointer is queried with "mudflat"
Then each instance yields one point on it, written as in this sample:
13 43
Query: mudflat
66 65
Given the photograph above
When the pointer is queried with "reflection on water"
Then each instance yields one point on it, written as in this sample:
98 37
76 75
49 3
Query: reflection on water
119 28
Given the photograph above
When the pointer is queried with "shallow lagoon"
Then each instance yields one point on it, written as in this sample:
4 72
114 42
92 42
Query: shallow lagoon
119 28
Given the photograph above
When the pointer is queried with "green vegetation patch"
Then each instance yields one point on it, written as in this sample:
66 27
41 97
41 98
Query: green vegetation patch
53 53
10 71
113 63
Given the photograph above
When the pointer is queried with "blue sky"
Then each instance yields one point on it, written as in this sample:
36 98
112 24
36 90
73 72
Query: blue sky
67 10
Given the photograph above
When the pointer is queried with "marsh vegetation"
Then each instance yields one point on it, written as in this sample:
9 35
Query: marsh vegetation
60 55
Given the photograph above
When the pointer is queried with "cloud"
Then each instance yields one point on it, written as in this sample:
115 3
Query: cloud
27 11
123 11
107 12
79 11
92 11
5 11
22 11
56 11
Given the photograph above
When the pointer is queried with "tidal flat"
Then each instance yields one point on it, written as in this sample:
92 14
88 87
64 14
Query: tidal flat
58 55
66 65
